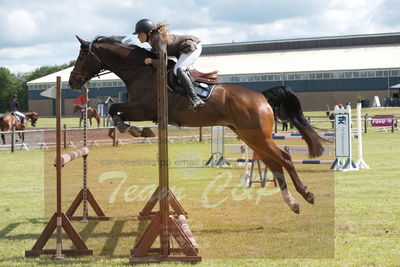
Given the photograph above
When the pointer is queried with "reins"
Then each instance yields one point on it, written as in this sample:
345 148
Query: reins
106 70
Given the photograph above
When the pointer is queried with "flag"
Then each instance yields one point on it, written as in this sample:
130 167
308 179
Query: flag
80 100
51 92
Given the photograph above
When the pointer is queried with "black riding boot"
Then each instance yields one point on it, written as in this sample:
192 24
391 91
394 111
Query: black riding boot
197 102
22 122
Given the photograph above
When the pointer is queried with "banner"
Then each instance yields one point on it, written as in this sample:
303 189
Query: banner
382 120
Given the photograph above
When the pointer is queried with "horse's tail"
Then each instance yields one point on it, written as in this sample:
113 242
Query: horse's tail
286 106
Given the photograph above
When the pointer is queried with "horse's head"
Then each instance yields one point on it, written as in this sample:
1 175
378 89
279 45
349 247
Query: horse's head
106 53
86 67
33 116
77 108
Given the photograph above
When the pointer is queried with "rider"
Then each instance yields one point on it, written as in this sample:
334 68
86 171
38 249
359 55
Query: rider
185 48
15 109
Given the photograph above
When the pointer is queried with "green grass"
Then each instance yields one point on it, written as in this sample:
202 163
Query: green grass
73 122
49 122
363 210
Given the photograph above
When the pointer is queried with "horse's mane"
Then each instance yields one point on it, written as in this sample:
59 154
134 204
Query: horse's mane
120 41
115 40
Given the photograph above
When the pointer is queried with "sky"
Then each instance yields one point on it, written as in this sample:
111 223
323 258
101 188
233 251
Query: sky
35 33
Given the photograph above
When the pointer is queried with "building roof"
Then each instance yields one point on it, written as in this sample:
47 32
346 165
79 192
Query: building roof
305 60
377 51
304 43
65 73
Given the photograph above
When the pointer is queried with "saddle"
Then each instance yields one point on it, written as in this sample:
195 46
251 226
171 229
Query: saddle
204 82
204 77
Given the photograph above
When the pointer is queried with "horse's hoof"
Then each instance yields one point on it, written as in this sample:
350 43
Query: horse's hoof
134 131
147 132
295 208
309 197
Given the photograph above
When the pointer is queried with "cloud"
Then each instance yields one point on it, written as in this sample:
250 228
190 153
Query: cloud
44 30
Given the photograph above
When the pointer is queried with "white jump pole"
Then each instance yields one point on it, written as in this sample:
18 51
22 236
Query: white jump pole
360 162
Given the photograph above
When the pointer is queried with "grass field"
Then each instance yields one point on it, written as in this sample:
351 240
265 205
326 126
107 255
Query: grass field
49 122
354 222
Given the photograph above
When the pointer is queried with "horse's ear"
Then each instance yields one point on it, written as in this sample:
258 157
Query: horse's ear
84 44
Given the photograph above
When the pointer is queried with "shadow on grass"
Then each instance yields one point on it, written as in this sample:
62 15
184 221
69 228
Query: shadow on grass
111 237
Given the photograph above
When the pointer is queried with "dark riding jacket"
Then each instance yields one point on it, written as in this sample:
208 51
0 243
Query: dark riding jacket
14 106
174 46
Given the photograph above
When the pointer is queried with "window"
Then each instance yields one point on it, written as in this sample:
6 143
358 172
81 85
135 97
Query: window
394 73
371 73
327 75
356 74
338 75
290 77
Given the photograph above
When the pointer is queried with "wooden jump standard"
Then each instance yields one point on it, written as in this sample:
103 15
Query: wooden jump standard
164 224
85 196
59 220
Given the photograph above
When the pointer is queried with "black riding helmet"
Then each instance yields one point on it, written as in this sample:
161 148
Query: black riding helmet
144 25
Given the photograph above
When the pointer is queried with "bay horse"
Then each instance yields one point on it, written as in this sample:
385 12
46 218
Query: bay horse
248 113
91 113
8 120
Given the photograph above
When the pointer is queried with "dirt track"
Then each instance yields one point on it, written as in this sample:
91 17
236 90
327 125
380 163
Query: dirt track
74 137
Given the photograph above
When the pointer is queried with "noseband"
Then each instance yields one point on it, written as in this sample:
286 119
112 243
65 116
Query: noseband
85 75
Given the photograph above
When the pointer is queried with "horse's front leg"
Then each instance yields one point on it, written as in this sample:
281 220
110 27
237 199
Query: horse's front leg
123 109
3 139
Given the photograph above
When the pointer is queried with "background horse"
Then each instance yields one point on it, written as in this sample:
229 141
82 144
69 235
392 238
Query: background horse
91 112
246 112
8 120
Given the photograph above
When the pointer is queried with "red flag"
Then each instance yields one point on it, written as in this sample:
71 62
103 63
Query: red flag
80 100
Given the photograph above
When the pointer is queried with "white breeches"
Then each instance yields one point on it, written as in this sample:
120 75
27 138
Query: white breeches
185 61
20 114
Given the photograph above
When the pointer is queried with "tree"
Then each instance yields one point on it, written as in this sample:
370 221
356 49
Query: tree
9 85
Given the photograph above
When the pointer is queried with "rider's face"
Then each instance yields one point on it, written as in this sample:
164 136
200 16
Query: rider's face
142 37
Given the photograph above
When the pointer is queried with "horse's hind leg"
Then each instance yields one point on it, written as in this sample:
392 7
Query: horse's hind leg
268 150
300 187
285 160
277 172
3 139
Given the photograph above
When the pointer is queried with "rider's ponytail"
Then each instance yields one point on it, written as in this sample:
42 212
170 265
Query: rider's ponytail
162 28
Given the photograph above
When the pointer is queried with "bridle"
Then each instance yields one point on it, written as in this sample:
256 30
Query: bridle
86 76
106 70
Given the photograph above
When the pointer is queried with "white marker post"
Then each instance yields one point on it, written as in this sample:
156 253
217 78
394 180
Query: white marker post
343 161
360 162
